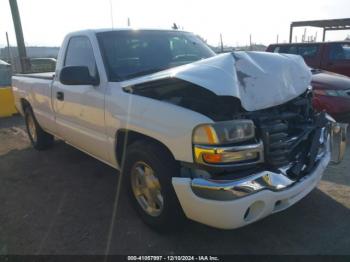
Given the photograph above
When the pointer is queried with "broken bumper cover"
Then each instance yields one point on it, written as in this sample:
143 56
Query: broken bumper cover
246 200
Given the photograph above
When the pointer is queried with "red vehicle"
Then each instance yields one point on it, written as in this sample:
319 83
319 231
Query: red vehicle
331 93
329 56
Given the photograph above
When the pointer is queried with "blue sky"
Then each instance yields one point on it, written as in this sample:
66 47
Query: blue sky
45 22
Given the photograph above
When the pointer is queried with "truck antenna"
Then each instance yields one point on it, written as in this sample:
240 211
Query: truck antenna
111 10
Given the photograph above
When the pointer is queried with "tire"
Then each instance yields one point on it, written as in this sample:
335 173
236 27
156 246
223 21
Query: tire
40 139
168 215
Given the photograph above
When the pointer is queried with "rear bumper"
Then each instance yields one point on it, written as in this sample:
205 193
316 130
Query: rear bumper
230 214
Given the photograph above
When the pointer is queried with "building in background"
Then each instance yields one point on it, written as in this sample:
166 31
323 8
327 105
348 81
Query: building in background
33 52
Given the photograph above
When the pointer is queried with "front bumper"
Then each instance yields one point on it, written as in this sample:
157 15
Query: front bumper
268 197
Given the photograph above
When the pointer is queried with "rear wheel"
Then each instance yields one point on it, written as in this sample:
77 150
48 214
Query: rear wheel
40 139
148 171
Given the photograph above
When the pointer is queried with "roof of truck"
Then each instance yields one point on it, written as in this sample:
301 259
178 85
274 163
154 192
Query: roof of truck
101 30
314 43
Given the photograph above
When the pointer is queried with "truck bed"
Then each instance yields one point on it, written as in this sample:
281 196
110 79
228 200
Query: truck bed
47 75
33 86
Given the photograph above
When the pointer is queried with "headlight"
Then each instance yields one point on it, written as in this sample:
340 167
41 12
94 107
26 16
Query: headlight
331 92
222 133
214 143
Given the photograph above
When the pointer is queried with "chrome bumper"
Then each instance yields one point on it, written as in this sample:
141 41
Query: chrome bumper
245 210
230 190
266 180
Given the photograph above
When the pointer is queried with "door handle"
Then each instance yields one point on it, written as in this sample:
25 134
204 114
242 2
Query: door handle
60 96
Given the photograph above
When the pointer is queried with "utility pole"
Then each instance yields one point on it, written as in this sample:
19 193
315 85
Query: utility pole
24 61
9 55
8 49
128 21
222 44
304 36
277 39
324 35
250 42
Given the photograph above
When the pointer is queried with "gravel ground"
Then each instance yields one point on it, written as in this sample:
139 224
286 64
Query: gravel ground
61 201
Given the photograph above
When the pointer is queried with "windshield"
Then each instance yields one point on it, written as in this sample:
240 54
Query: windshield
129 54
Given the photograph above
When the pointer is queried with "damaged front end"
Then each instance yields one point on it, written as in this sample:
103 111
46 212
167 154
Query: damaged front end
265 133
265 149
233 185
290 142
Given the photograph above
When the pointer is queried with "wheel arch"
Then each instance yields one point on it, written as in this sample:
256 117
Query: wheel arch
125 137
24 104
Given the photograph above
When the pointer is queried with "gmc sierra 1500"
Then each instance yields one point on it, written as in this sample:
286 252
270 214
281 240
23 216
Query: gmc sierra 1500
224 140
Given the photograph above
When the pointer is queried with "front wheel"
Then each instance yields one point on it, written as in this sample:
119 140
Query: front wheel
148 171
40 139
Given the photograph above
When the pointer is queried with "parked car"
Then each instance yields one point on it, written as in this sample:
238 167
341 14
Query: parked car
329 56
5 74
224 140
41 65
331 93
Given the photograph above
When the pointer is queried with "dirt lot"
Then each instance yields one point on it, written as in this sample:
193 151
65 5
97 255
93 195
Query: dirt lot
61 201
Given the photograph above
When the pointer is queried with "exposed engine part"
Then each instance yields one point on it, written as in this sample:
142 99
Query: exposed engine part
291 134
190 96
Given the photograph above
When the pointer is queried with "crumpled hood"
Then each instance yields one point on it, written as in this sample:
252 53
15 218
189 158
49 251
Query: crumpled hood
259 79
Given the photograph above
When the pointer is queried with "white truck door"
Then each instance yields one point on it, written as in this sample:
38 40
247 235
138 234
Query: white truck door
80 108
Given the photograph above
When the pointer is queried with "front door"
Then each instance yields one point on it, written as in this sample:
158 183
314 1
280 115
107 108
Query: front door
80 108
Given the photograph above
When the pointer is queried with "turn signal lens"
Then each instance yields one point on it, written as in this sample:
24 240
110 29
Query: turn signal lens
228 157
205 134
212 158
219 156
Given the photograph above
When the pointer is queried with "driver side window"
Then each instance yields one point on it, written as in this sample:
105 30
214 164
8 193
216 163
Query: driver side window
339 52
80 53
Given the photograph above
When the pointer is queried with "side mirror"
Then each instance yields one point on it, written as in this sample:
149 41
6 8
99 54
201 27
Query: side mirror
77 75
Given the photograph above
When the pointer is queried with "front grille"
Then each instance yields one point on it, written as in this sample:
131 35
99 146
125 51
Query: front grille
290 133
284 139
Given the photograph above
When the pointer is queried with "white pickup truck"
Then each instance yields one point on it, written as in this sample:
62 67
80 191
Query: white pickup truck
224 140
